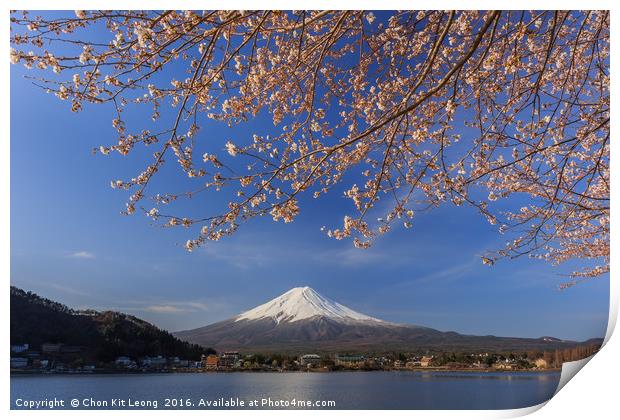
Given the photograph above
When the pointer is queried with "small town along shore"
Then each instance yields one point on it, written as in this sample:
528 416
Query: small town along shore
51 360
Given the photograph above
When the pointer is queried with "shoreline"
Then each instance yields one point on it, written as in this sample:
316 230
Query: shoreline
326 371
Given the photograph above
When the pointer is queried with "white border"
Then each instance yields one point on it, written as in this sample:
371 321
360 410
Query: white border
592 394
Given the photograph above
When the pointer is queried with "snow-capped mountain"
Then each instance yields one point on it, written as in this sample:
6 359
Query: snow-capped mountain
303 320
303 303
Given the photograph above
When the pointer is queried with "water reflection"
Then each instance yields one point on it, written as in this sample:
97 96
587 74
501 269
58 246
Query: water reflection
349 390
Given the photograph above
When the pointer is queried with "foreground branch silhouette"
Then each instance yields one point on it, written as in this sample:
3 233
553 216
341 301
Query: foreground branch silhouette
408 109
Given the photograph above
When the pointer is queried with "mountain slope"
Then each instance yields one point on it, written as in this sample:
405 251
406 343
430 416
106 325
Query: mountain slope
106 335
303 320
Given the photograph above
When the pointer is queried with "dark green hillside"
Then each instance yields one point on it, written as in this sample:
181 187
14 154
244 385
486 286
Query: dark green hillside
104 335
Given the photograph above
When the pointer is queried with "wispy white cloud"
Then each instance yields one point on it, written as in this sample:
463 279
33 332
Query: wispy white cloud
198 306
164 309
163 306
83 254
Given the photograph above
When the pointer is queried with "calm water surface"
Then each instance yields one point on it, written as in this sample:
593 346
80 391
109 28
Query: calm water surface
348 390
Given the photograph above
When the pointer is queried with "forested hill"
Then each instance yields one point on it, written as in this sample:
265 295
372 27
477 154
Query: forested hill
106 335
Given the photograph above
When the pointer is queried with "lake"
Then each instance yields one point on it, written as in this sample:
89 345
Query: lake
292 390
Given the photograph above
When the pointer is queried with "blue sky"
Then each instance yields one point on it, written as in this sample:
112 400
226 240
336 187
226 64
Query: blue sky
69 243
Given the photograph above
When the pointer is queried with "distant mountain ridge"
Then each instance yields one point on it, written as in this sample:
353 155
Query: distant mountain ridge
303 320
299 320
36 320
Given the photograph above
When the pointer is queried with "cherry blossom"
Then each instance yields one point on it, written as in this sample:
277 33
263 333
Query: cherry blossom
422 107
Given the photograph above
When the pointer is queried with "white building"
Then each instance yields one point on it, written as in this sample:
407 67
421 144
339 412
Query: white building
310 360
19 348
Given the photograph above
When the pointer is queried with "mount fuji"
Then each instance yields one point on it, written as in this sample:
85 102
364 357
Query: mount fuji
302 303
303 320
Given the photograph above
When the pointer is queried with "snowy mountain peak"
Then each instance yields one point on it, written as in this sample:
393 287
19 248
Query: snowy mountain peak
303 303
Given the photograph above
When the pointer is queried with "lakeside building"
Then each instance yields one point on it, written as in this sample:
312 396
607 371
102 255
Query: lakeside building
180 363
425 361
210 362
540 363
19 348
229 359
310 360
19 362
349 360
504 365
154 362
383 361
